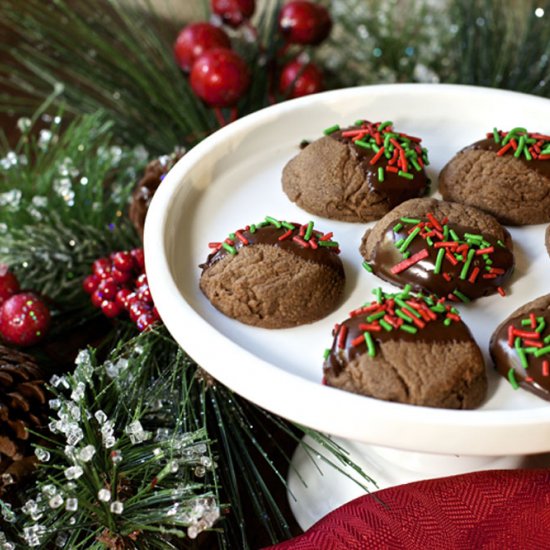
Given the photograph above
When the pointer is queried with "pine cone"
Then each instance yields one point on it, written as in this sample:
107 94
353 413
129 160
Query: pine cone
23 405
146 187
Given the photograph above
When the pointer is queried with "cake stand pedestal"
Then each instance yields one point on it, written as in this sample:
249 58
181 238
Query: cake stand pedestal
315 488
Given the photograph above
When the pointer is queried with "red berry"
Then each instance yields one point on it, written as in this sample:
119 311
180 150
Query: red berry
233 12
97 299
111 309
9 285
122 297
298 80
195 39
24 319
102 267
144 294
91 283
123 261
303 22
220 77
137 309
145 321
121 277
139 258
108 289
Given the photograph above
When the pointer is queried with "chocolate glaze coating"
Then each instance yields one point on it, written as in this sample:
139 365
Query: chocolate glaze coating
505 357
394 189
421 275
270 235
540 166
434 332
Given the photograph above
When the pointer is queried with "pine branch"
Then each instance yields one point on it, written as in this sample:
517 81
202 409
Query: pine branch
63 195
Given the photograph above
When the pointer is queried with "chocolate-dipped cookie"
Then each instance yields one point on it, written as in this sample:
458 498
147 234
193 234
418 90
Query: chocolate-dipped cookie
274 274
448 249
520 347
410 349
507 174
357 174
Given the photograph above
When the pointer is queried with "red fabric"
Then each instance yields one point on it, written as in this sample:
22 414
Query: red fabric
495 510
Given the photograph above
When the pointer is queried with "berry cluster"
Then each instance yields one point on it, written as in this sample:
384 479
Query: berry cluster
119 284
24 317
220 77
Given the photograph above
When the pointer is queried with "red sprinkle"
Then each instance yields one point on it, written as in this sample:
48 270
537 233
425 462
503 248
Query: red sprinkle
545 368
214 245
473 276
300 241
511 336
447 277
453 316
376 157
392 169
359 340
532 343
434 221
285 235
500 290
488 250
533 320
415 320
525 333
504 150
342 336
451 258
405 264
326 237
241 237
375 328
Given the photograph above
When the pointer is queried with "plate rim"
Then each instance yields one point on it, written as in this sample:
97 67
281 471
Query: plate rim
165 292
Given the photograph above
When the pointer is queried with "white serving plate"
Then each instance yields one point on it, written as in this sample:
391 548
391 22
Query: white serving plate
233 178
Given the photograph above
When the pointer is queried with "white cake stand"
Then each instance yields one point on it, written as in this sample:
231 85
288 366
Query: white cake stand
233 178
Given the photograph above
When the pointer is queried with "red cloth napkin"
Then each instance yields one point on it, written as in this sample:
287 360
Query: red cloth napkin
494 510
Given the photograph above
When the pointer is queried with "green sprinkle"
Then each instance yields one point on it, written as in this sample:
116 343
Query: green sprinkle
459 257
496 135
523 358
288 225
445 232
454 236
530 350
405 175
546 340
399 242
384 125
542 351
409 329
385 325
467 264
328 243
380 174
273 221
405 318
309 231
378 293
438 308
361 143
439 261
232 236
375 316
326 353
397 227
429 241
417 166
409 239
331 130
512 379
473 236
406 306
406 255
410 220
527 153
541 325
461 296
526 322
405 292
447 322
375 147
370 344
232 250
359 122
367 266
488 261
500 243
521 145
253 228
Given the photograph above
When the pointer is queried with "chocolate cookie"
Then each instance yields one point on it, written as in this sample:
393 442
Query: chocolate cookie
357 174
506 174
410 349
520 347
439 247
274 274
